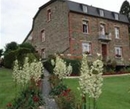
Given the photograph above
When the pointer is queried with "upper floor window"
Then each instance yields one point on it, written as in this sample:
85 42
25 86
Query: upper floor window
85 26
43 35
86 48
117 33
102 29
85 9
116 16
49 14
101 12
118 51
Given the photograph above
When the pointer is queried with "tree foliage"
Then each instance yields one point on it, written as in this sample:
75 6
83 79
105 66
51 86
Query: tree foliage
125 8
28 46
11 46
14 51
1 52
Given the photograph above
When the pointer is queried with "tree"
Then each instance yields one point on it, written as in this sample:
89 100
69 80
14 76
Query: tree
28 46
125 9
11 46
1 52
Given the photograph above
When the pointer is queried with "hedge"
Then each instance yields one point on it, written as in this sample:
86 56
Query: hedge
75 63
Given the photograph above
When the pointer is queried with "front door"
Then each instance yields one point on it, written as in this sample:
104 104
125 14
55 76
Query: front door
104 51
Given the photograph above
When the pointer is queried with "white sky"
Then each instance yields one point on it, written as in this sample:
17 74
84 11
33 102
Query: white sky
17 15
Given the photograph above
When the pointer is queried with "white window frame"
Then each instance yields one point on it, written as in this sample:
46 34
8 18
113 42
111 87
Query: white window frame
86 48
85 25
101 13
118 51
116 16
85 8
117 32
102 29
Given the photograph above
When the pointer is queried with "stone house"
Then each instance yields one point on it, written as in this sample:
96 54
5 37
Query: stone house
74 28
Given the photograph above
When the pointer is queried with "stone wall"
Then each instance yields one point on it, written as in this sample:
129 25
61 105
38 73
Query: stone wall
56 30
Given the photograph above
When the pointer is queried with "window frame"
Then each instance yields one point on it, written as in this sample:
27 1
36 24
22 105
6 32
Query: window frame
84 8
117 32
85 26
88 49
118 52
49 14
101 12
104 27
116 16
43 35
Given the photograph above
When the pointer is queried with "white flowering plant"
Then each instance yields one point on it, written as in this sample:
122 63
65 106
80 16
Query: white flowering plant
91 80
60 69
29 77
22 75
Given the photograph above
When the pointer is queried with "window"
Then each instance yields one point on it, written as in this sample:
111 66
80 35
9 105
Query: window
101 13
43 54
117 33
102 29
118 51
84 8
85 26
116 16
43 35
49 14
86 48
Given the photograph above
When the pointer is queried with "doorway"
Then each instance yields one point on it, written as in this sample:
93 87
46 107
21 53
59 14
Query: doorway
104 51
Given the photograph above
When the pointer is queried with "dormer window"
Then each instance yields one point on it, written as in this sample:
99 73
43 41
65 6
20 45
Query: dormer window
116 16
101 12
85 9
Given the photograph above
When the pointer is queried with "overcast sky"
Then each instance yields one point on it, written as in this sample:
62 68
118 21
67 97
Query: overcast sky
16 16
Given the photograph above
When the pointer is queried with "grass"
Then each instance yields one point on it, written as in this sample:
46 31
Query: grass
7 87
115 92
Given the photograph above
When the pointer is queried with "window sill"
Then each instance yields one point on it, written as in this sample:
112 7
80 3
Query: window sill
117 38
85 33
118 57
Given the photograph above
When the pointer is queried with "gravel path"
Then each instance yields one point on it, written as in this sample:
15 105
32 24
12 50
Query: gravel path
50 102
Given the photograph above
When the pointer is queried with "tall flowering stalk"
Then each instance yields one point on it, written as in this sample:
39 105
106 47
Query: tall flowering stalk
27 72
91 79
60 69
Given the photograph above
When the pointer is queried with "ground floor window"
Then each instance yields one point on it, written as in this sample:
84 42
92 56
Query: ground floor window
118 51
86 48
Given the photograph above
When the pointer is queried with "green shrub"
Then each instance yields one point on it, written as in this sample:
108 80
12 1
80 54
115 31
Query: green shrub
29 97
9 59
47 64
21 54
58 89
75 63
28 46
66 100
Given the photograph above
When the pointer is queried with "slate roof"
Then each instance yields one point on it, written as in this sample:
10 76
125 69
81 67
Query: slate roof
94 11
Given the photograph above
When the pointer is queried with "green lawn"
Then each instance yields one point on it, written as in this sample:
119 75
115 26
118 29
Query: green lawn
7 87
115 92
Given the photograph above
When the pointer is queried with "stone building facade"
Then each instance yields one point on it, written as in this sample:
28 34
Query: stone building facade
74 28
